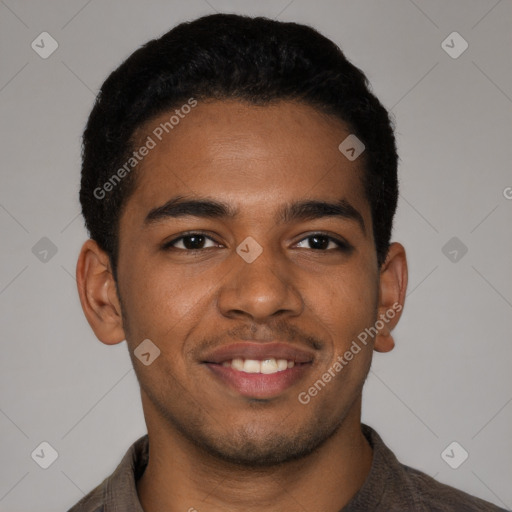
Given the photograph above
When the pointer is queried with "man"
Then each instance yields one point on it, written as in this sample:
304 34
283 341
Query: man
239 184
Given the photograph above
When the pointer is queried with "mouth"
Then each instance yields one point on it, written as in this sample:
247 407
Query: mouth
266 366
259 370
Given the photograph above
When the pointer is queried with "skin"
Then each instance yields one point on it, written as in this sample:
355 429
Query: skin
276 454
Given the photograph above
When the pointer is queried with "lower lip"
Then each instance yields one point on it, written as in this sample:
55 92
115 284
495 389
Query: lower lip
259 385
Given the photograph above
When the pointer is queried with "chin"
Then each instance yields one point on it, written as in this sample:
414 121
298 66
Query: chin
246 448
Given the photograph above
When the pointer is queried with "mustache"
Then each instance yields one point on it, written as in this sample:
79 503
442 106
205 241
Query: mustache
280 331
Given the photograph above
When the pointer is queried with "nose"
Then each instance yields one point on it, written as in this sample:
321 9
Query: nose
261 289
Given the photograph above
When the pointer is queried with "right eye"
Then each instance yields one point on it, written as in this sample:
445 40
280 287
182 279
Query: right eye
190 242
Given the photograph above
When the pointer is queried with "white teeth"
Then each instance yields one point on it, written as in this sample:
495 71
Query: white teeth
267 366
252 366
237 364
282 364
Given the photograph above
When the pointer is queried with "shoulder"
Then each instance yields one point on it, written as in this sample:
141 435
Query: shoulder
92 502
394 487
434 496
118 491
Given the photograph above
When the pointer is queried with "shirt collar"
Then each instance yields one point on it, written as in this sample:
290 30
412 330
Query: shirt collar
120 491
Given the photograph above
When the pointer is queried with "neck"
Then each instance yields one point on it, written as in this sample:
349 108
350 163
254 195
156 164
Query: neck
179 477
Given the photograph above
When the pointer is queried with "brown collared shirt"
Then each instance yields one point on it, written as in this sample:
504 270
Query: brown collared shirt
389 487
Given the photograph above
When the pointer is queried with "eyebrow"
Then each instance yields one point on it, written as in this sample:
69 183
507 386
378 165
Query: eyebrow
180 206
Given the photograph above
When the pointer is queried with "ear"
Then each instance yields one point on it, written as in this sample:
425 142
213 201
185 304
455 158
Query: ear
98 294
392 288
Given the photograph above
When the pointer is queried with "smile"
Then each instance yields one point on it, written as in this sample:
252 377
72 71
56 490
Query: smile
258 369
266 366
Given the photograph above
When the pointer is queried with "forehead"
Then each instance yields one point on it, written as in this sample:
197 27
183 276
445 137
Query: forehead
251 156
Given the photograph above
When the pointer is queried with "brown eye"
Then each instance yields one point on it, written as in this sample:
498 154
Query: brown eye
321 242
191 242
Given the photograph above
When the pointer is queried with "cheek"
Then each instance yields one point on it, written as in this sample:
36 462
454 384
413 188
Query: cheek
354 289
348 308
159 304
345 305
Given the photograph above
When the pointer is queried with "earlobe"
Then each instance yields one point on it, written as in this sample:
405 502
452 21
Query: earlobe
98 294
392 288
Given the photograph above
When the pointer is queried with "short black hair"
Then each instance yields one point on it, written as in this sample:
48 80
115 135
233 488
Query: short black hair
228 56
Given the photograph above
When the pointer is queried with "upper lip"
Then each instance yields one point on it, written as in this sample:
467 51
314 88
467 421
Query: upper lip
260 351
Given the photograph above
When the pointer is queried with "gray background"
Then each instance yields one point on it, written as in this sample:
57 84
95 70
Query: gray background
448 378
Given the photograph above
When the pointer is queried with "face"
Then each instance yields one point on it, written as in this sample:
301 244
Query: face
221 268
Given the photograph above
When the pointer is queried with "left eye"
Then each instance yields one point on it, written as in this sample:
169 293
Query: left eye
319 241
